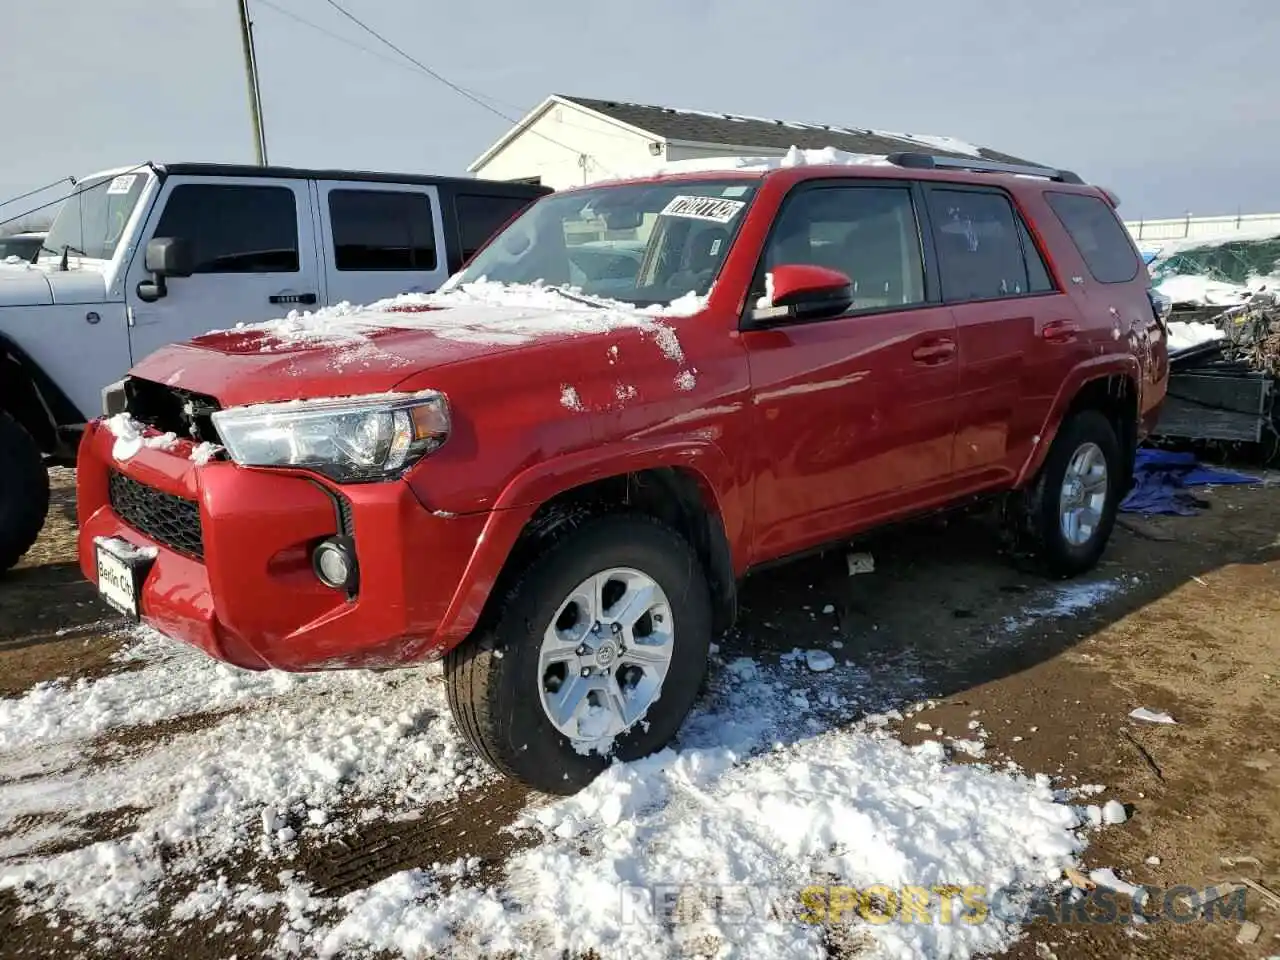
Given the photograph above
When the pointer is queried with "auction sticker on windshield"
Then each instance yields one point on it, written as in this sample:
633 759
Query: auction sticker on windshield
715 209
122 184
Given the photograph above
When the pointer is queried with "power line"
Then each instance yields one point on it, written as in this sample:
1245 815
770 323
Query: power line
462 91
32 193
394 61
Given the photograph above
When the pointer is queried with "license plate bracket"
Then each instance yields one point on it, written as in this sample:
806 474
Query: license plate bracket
122 569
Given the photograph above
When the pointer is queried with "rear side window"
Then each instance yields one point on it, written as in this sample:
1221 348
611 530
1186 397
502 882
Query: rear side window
234 229
979 247
480 217
382 230
1097 234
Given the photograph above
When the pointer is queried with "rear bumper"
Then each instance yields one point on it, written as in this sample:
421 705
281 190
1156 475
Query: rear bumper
252 598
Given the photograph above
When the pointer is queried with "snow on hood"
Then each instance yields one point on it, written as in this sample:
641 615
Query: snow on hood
482 312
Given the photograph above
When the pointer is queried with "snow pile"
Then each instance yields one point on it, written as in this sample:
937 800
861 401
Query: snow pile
1183 334
1201 290
794 157
481 311
632 866
945 144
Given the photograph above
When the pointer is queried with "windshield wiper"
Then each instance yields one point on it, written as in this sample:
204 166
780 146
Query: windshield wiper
66 247
591 301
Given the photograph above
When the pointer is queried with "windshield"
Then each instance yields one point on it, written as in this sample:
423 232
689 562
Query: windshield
642 243
92 220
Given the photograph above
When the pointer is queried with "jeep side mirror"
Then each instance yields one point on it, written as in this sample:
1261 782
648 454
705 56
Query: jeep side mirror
802 291
165 257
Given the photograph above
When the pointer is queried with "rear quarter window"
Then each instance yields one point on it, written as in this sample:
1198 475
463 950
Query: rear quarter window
1097 234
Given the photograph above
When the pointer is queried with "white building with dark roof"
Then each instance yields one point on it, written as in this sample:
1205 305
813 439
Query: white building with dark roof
568 141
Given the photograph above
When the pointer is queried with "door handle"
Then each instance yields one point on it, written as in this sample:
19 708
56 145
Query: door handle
1060 331
307 298
934 352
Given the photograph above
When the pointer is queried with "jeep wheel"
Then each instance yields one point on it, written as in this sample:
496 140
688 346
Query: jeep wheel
598 653
1072 506
24 491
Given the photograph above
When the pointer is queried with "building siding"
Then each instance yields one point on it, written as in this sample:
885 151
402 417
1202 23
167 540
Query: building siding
566 147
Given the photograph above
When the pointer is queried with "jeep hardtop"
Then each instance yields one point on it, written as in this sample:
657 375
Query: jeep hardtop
143 256
554 472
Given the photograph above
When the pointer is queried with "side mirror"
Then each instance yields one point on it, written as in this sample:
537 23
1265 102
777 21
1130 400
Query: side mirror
802 291
169 257
165 257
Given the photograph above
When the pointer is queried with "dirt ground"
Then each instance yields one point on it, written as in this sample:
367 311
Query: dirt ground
1193 629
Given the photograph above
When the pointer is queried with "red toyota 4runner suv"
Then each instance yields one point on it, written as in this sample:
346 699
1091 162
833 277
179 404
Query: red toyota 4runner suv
554 472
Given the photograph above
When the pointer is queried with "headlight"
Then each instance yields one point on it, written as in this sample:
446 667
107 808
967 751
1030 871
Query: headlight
346 438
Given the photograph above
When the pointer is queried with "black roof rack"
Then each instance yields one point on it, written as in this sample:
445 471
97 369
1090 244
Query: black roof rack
927 161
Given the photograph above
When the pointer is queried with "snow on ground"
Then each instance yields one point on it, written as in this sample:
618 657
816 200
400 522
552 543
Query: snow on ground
664 837
1064 601
783 780
1183 334
769 792
294 752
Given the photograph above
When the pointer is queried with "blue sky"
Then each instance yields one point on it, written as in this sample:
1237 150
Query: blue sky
1175 104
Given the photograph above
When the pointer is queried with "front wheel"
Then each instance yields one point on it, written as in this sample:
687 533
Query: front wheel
597 654
1070 511
24 491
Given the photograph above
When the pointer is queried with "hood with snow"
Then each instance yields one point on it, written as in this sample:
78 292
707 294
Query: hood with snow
346 350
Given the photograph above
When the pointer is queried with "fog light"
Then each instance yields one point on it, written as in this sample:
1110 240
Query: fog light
334 562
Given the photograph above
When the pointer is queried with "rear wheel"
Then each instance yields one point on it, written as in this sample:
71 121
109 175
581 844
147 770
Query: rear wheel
1070 510
24 491
597 654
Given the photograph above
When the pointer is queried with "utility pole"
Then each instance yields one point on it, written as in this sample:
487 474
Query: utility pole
255 93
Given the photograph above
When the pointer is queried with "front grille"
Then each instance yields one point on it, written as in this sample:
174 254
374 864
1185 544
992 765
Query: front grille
173 521
172 409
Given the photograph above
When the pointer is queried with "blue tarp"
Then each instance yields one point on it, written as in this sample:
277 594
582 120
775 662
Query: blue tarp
1161 479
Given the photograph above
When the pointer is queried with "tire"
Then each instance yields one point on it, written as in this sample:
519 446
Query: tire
1084 434
24 491
495 682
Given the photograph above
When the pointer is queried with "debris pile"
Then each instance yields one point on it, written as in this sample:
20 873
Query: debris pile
1253 334
1224 382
